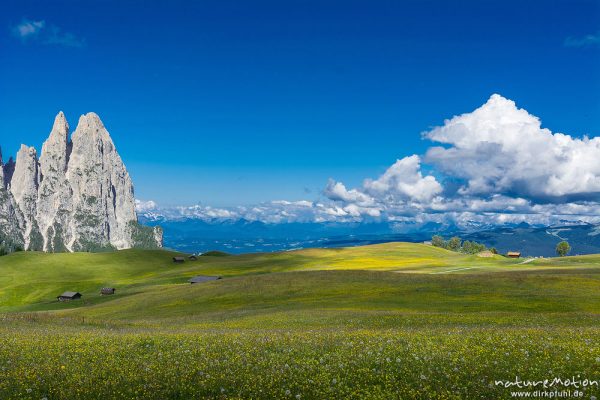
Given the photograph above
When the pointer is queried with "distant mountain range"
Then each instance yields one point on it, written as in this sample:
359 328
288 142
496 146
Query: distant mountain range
194 235
541 241
241 236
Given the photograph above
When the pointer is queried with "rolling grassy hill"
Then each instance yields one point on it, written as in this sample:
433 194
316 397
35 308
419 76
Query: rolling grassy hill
394 320
391 277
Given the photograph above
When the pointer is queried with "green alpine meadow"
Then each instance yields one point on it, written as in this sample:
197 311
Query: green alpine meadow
299 200
394 320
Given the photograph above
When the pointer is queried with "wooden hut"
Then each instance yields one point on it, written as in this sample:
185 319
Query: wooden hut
513 254
178 260
192 258
107 291
68 296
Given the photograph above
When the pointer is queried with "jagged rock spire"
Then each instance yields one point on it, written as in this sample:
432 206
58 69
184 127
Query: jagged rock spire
101 184
24 182
11 219
54 150
23 187
54 193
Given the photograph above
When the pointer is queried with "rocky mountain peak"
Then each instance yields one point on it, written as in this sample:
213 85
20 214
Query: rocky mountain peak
24 181
55 149
89 123
100 182
78 196
60 129
11 219
54 194
23 187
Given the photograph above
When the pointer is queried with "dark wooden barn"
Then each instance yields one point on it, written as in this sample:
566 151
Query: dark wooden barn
178 260
68 296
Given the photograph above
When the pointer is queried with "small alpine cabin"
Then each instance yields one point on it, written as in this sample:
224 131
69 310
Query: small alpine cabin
513 254
178 260
68 296
107 291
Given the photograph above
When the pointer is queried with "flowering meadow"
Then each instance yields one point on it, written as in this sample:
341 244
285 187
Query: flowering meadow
415 322
70 360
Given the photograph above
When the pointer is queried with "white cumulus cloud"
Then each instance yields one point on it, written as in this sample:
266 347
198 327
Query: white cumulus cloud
400 190
142 206
337 191
501 149
404 180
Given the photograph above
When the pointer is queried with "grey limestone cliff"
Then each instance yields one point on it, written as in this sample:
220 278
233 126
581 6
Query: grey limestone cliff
77 196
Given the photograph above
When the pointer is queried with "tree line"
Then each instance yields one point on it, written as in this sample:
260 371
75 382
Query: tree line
468 247
456 244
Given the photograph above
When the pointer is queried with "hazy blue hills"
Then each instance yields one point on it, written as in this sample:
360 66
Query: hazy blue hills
541 241
241 236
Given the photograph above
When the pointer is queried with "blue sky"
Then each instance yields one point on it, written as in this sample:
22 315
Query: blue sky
238 102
